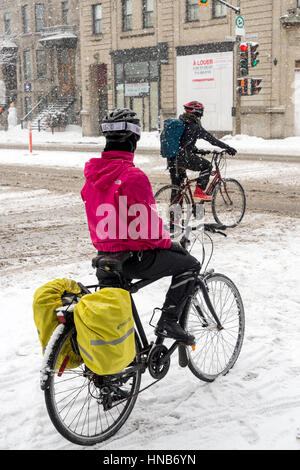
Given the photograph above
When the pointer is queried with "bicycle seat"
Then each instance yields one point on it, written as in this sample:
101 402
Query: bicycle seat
110 261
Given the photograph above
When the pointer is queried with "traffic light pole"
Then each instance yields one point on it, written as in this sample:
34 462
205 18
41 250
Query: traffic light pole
237 95
236 9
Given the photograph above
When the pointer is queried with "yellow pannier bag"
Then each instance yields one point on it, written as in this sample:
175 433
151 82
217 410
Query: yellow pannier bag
105 330
46 300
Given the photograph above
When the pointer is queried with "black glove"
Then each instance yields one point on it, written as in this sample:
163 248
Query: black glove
178 248
231 151
203 152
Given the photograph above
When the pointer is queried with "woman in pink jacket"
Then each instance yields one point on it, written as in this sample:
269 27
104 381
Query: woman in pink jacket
122 216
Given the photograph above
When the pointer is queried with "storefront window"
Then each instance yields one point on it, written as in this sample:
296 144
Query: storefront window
137 70
119 73
154 111
137 88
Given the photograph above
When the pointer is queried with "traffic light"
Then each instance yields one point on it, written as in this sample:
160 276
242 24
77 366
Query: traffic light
203 3
243 86
254 54
244 59
255 88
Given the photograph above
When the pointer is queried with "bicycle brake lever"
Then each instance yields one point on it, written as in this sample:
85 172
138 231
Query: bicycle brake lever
221 233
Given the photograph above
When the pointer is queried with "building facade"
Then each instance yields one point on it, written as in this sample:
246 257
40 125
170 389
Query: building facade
153 55
44 74
87 56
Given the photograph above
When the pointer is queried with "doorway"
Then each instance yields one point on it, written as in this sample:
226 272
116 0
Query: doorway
141 106
66 71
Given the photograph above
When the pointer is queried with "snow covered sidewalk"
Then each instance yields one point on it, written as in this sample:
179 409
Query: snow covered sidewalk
72 137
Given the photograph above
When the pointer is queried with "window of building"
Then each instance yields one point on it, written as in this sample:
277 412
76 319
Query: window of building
25 18
192 10
27 65
97 18
7 29
39 16
41 64
127 15
219 10
148 15
65 7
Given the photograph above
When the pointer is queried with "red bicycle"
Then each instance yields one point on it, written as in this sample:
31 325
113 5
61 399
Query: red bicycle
178 207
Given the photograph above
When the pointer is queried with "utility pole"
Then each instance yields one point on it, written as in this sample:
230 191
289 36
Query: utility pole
237 96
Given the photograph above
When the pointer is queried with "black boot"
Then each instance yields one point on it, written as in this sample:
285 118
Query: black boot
170 328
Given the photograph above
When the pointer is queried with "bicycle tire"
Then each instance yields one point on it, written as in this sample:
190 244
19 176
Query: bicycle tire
80 425
188 216
224 211
205 362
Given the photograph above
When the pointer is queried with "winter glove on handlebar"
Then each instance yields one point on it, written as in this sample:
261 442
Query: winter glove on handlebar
203 152
231 151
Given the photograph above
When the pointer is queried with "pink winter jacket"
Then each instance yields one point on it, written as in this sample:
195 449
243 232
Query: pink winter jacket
120 206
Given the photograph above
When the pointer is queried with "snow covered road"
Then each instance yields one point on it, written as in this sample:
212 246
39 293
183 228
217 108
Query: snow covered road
256 406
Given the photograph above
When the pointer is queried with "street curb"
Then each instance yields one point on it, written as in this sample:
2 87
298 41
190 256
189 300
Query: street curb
94 148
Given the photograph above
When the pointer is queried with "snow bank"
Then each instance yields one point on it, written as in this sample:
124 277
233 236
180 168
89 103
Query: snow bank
73 135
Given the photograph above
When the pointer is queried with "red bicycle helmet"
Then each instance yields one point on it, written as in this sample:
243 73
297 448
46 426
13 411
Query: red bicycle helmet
194 107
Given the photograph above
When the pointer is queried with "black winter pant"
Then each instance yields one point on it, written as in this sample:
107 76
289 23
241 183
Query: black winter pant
158 263
194 163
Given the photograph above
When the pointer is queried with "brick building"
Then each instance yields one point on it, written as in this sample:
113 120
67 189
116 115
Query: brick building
44 76
153 55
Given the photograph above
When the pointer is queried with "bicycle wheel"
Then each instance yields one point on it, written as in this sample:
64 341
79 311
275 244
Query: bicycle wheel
177 210
228 203
84 407
216 349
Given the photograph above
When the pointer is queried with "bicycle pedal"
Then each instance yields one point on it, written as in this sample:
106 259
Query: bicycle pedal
183 359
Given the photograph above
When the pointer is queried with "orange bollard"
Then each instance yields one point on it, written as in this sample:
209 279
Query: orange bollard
30 137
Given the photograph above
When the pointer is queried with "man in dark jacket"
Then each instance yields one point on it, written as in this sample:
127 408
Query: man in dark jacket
187 158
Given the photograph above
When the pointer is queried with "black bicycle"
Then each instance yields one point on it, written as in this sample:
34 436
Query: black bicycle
87 408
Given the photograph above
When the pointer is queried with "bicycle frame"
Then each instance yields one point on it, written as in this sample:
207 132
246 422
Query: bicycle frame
186 187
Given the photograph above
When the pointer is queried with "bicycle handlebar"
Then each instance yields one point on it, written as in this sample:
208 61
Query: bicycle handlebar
213 228
213 152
